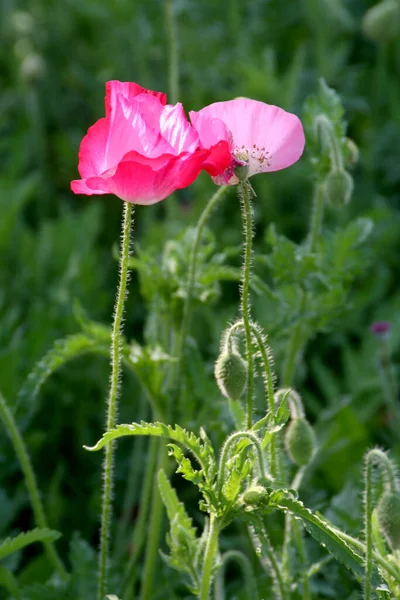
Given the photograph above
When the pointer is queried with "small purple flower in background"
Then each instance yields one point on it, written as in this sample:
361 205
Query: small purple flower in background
380 328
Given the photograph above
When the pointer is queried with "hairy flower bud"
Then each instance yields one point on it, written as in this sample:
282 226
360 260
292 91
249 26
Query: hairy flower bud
388 511
231 374
381 22
352 152
338 187
254 494
300 441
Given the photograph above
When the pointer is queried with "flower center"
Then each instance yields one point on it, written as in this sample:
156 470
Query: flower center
260 156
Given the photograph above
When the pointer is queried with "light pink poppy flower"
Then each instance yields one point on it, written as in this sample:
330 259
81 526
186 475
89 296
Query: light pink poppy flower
261 136
143 150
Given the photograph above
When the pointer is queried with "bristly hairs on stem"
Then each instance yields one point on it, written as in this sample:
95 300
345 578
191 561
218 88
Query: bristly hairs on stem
374 458
227 448
247 572
264 355
245 192
112 403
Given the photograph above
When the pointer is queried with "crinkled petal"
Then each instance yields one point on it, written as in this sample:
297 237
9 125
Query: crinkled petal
92 149
143 181
129 91
177 130
269 137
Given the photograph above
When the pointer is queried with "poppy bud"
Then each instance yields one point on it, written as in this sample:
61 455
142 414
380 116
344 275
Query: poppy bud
388 511
338 187
381 22
231 374
300 441
254 494
352 152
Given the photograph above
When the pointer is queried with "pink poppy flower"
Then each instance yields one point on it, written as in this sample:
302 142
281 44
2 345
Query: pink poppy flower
144 149
262 137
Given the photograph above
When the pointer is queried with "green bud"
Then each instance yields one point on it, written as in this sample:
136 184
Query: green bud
338 187
388 511
352 152
381 22
300 441
254 494
231 374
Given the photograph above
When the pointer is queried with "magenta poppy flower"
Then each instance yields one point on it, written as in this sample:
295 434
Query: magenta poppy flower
144 149
262 137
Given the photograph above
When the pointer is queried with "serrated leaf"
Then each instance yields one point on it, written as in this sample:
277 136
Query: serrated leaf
63 351
175 509
324 534
202 452
10 545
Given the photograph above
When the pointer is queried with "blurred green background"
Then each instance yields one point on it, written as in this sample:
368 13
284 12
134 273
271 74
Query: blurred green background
56 248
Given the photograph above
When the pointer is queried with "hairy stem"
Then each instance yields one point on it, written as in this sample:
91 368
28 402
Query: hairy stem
210 551
154 531
227 449
30 482
245 203
113 397
139 534
190 284
247 573
368 528
268 382
317 215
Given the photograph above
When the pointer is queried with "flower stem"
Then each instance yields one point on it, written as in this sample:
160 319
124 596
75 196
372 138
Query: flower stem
232 439
317 216
30 482
173 55
190 283
154 531
368 528
245 203
211 548
247 572
265 354
128 590
113 397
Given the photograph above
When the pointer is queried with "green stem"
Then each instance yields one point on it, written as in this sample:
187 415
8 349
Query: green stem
30 482
268 382
245 203
154 531
303 559
294 346
113 397
317 216
380 560
173 54
190 284
247 572
232 439
211 549
267 556
388 381
368 528
128 590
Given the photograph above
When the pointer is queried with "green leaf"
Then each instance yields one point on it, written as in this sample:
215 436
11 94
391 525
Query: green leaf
62 352
10 545
175 509
8 580
201 451
324 534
